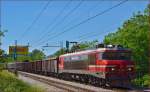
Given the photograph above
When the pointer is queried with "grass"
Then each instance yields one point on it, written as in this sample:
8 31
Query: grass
144 81
10 83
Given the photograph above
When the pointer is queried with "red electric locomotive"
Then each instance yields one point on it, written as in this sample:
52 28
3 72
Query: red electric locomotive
109 66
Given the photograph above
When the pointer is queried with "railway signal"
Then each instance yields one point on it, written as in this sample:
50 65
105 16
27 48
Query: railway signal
68 44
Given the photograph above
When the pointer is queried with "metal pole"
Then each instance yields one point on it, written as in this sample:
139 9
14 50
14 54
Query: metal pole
15 52
0 36
28 45
61 45
149 38
0 21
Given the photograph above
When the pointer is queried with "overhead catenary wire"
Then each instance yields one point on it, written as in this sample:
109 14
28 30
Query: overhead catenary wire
95 6
54 22
61 21
84 21
89 10
35 20
92 34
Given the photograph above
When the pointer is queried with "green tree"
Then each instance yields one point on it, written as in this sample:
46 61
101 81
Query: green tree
2 56
2 52
37 55
81 46
23 58
9 59
86 44
134 34
59 52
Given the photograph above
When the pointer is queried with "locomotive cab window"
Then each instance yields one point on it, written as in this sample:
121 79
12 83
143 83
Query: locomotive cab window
79 58
115 56
67 59
84 57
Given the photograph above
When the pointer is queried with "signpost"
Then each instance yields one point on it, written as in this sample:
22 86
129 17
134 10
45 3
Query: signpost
18 51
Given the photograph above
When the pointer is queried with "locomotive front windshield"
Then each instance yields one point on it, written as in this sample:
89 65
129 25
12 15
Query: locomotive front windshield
115 56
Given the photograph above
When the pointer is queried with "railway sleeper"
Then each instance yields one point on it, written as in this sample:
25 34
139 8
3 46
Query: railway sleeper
86 79
80 78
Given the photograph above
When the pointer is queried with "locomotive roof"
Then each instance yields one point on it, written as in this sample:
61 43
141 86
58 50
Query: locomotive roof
80 52
115 49
95 50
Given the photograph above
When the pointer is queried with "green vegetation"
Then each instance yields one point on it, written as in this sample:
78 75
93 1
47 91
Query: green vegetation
2 66
134 35
34 55
59 52
37 55
86 44
2 34
144 81
10 83
81 46
2 56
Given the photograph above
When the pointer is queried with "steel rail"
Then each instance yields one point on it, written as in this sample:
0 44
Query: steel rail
66 85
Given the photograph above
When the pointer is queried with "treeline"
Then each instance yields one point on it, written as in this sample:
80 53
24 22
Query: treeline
134 34
32 56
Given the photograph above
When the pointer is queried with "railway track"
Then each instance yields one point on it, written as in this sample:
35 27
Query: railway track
66 85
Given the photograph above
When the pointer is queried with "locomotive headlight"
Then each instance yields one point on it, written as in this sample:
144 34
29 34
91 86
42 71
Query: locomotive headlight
112 69
129 69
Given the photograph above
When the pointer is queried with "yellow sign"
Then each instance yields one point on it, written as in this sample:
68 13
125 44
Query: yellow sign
19 50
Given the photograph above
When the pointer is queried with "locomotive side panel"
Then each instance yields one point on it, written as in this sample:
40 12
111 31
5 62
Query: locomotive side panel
76 62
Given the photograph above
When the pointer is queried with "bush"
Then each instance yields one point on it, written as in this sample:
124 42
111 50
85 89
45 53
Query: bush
143 81
146 79
10 83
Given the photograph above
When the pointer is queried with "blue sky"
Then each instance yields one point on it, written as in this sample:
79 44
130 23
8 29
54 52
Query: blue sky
17 16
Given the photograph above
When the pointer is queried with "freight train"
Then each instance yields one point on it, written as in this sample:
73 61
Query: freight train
107 66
